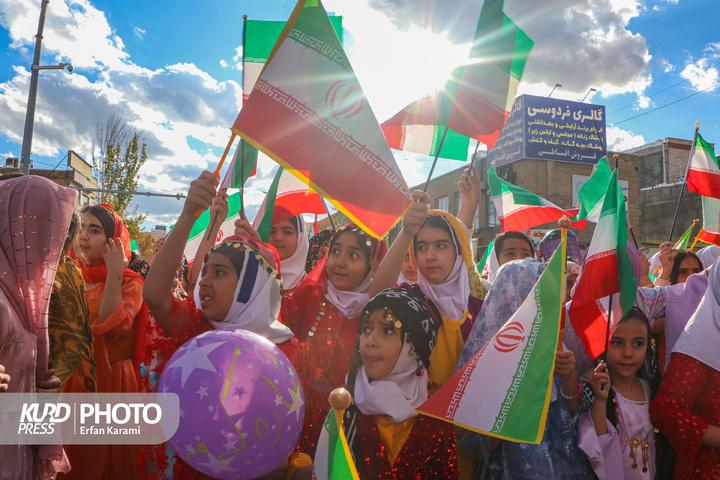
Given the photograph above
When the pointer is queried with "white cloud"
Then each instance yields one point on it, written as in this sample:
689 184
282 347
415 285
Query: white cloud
223 63
139 32
578 43
704 73
620 140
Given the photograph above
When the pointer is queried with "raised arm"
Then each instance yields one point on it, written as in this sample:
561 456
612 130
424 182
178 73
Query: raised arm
469 186
158 284
220 208
389 269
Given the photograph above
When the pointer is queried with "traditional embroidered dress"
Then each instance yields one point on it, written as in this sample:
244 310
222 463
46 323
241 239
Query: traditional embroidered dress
458 298
256 308
557 455
34 214
71 348
117 344
325 321
625 454
688 400
386 436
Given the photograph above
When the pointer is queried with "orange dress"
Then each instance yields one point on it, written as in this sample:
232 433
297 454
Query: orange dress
114 346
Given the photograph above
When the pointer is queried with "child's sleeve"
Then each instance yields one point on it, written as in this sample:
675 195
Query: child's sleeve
602 451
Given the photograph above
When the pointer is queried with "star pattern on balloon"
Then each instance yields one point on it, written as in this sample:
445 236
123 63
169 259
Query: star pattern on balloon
297 403
217 465
197 361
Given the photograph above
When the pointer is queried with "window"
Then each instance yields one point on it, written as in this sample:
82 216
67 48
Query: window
443 203
476 220
493 220
458 202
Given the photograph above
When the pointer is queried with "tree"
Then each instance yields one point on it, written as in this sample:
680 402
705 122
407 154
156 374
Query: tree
121 154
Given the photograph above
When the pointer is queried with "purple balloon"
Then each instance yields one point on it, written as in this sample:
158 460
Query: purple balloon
241 404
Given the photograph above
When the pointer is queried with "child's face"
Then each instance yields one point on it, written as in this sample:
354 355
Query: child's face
380 345
688 266
408 270
627 349
435 254
217 287
347 264
92 239
514 249
284 237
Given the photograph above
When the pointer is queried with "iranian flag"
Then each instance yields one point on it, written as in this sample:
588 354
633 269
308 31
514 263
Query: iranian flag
286 197
504 390
333 460
592 193
606 271
483 92
202 223
309 114
419 128
703 174
710 232
519 209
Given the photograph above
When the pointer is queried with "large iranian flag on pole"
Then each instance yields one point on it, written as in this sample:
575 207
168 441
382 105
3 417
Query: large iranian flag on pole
485 93
309 113
504 390
518 209
202 223
710 232
606 271
703 174
259 37
592 193
419 127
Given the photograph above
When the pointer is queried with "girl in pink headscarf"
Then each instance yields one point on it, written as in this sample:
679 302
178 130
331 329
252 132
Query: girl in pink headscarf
34 215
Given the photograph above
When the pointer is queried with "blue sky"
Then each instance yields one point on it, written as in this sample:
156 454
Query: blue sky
173 69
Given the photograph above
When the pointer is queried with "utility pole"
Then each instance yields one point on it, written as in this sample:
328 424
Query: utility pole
32 95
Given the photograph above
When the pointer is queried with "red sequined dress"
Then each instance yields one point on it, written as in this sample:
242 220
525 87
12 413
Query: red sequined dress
687 402
428 453
328 340
154 460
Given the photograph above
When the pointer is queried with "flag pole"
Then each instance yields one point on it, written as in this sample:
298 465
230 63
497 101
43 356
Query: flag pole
682 189
437 154
564 224
696 240
242 143
472 159
199 210
332 224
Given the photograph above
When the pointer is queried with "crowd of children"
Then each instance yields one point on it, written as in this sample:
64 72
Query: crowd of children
391 326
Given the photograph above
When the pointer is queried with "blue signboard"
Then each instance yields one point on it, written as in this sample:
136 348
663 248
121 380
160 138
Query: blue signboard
551 129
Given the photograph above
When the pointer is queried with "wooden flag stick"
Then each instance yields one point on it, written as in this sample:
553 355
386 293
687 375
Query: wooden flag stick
564 224
682 190
437 154
198 211
696 240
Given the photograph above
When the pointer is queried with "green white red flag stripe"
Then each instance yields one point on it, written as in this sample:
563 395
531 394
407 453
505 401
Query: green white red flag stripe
592 193
606 271
236 175
309 113
710 232
333 460
200 227
287 197
259 37
504 390
485 92
419 128
703 174
519 209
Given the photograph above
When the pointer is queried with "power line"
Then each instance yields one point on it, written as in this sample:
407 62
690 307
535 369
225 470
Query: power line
666 105
661 91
